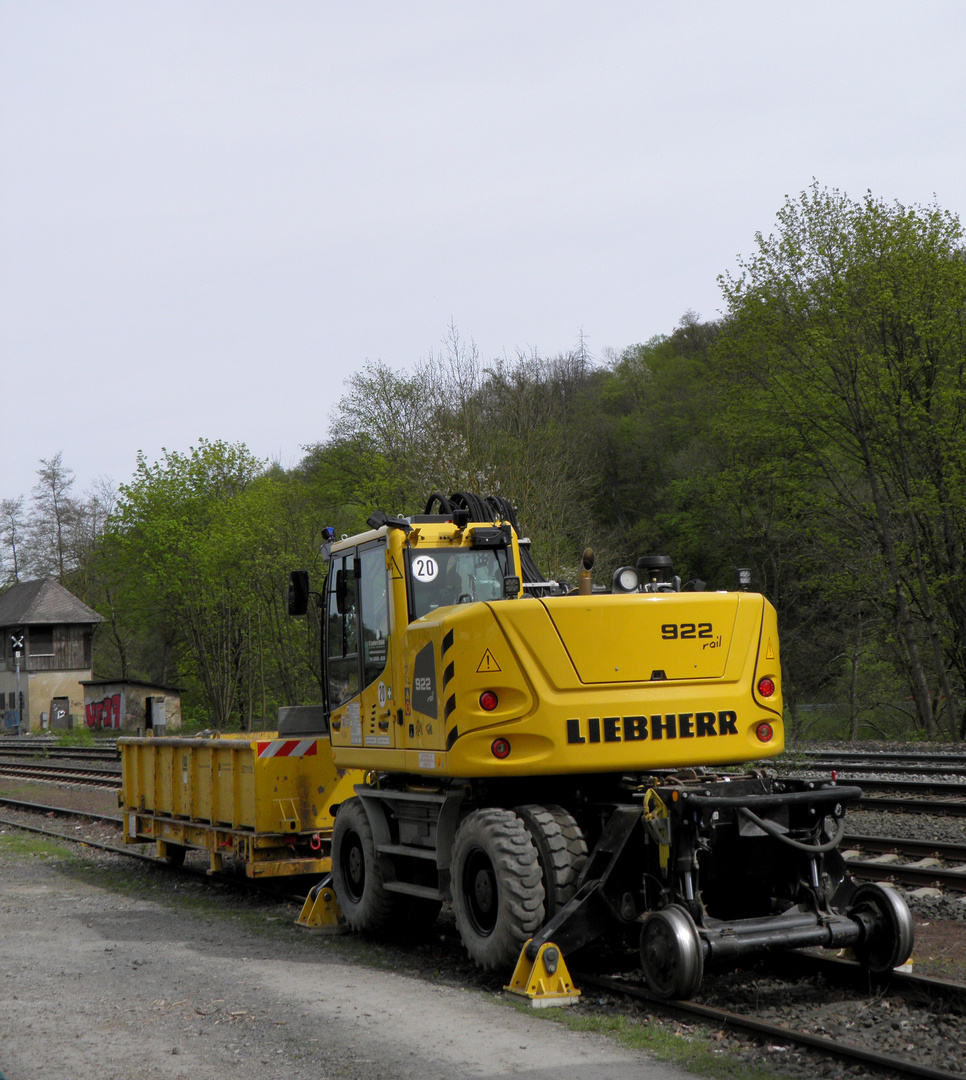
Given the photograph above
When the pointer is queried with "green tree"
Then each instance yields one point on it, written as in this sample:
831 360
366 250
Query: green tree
845 347
179 558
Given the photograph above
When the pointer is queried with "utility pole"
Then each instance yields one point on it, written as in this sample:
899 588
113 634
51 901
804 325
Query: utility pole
16 643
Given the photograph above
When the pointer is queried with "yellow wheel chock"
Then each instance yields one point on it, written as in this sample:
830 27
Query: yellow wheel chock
544 981
321 909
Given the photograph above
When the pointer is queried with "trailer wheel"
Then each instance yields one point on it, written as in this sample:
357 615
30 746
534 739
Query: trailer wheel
497 887
889 932
671 953
561 851
174 854
357 876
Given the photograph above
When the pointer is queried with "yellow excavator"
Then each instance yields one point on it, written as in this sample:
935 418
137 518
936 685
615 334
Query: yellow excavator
571 766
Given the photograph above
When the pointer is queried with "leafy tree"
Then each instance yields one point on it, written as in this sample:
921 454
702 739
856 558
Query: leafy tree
178 559
656 408
515 427
844 348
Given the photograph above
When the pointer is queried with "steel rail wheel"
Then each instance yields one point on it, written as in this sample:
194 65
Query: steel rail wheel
890 931
497 887
357 875
561 850
671 953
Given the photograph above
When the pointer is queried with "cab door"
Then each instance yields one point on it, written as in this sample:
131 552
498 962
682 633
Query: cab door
358 653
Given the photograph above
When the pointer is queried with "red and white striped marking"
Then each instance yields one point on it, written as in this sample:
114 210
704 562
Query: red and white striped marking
288 748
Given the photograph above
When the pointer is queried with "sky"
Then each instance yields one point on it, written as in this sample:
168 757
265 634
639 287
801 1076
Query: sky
213 213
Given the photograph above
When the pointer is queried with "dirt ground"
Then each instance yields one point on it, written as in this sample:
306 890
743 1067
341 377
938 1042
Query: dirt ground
116 981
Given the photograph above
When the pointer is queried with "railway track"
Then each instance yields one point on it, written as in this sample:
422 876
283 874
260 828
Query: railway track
925 868
40 811
919 757
87 775
818 989
45 752
726 1004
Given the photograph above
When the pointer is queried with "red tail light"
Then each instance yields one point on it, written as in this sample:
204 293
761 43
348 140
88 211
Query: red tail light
488 701
766 687
764 732
500 749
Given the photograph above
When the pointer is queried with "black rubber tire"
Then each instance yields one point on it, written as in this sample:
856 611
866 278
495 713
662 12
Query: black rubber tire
497 887
561 851
174 854
357 872
894 935
672 955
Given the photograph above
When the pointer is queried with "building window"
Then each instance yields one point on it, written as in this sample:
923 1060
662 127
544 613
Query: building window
41 641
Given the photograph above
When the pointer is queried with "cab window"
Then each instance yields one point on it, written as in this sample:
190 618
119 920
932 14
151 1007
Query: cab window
357 608
342 631
442 576
374 588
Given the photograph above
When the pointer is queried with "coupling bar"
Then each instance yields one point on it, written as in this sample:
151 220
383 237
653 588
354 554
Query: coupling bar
730 941
823 794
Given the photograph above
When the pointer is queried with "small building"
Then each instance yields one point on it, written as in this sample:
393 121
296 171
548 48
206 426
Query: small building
129 704
54 631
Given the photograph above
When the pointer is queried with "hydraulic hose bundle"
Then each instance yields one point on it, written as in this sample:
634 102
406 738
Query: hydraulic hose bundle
491 508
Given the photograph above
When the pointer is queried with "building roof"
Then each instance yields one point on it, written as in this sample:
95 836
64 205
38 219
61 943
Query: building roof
32 603
131 682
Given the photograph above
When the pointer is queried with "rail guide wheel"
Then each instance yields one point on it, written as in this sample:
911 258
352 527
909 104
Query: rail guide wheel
672 954
888 930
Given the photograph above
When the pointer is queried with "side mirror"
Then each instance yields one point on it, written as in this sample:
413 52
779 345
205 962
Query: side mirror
298 592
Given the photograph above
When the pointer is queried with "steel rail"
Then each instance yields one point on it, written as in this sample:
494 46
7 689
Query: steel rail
884 755
62 811
242 883
50 753
892 805
89 775
903 846
830 764
844 1051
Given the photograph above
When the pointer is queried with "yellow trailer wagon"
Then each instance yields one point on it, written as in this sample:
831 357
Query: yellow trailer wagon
268 800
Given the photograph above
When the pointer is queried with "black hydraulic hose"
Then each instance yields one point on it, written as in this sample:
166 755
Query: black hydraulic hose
813 849
491 508
445 506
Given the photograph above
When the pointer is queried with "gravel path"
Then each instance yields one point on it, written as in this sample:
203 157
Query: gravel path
105 984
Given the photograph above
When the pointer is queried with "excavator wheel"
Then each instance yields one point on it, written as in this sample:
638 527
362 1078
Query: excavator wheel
891 933
561 850
497 887
356 872
671 953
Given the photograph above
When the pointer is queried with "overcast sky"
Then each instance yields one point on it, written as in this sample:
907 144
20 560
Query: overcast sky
211 213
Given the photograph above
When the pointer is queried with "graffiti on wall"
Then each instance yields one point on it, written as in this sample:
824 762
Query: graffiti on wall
104 714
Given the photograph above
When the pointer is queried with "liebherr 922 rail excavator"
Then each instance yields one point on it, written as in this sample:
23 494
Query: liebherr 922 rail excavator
561 764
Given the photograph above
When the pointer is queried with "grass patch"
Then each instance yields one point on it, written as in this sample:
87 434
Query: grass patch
16 842
82 736
694 1051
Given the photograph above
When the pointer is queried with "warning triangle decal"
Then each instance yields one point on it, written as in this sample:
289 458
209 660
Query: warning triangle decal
769 651
394 571
488 664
